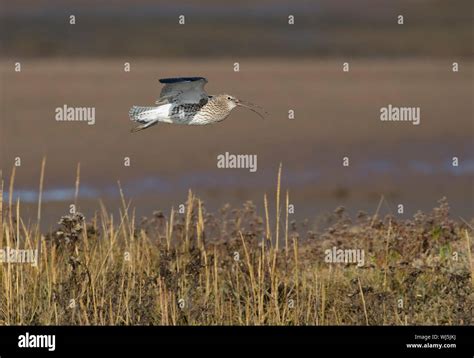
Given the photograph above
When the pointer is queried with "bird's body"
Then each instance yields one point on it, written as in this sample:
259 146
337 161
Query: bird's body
184 101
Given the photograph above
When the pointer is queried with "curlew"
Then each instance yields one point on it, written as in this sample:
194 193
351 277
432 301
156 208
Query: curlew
183 100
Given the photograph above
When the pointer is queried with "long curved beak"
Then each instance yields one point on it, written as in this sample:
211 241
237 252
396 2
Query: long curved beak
252 106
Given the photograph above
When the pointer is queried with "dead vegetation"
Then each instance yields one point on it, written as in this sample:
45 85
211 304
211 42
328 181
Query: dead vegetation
236 267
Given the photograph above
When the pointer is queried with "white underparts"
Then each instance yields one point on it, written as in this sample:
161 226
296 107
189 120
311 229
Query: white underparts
160 113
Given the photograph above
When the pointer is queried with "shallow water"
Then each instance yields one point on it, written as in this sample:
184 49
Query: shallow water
227 180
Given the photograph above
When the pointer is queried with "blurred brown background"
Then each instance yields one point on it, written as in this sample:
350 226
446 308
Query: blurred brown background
146 28
282 67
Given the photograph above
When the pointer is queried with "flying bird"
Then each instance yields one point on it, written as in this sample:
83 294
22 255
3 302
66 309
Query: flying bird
183 100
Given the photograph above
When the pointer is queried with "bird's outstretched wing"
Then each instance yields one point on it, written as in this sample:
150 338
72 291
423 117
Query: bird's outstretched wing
183 90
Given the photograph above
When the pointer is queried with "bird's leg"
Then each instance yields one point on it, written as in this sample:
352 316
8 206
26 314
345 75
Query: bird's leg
143 126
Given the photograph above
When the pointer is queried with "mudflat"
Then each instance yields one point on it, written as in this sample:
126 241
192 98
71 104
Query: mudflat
336 115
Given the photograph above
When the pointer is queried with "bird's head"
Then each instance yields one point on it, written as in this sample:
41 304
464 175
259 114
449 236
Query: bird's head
231 102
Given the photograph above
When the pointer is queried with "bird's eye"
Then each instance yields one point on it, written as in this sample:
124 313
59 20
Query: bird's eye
229 98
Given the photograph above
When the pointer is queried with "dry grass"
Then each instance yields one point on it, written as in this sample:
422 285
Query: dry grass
230 268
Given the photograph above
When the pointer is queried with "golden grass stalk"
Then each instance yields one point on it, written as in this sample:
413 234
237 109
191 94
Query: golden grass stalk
1 208
267 219
469 256
10 197
287 206
40 191
78 181
277 228
363 301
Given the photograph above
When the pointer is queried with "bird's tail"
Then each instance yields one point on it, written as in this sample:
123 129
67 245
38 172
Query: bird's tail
138 114
144 116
